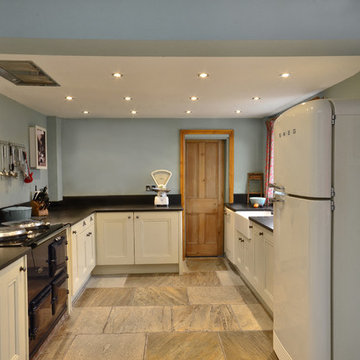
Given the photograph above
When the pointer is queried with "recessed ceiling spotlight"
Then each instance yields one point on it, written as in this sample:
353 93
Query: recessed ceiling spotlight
238 111
133 112
85 112
256 98
285 75
194 98
69 98
203 75
127 98
188 111
117 75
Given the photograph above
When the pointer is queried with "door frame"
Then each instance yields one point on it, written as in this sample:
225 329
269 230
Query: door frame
183 133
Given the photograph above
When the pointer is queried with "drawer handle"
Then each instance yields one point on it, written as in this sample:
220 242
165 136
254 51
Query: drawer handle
250 227
89 234
261 233
84 223
74 232
22 268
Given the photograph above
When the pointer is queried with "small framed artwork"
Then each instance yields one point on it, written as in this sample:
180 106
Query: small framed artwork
38 148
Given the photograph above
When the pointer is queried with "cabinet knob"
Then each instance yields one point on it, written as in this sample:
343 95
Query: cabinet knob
84 223
22 268
250 227
91 219
137 217
129 217
74 232
261 233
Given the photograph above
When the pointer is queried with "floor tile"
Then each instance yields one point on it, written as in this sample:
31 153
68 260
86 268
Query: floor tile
248 345
160 296
229 278
107 347
208 278
86 320
252 317
106 297
214 295
106 281
204 318
151 280
205 264
131 319
183 346
55 347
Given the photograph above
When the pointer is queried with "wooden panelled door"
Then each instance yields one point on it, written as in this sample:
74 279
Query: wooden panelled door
204 197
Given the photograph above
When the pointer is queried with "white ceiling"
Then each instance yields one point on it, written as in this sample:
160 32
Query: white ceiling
161 86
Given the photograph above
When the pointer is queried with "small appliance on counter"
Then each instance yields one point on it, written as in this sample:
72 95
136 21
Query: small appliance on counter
161 178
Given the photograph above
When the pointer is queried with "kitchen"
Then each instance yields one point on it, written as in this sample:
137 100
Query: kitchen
133 145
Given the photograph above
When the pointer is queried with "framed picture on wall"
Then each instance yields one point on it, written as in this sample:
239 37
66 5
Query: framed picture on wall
38 148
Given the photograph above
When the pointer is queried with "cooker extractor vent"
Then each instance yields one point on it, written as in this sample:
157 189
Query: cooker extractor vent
25 73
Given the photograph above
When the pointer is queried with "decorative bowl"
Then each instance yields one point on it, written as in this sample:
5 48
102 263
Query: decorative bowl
258 200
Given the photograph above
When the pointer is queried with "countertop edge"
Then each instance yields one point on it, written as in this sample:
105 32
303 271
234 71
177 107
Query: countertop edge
12 255
258 221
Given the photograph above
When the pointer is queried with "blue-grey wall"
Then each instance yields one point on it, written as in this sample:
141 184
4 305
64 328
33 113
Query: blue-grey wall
116 156
180 20
15 120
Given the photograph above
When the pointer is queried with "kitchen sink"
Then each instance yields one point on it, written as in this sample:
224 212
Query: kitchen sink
242 221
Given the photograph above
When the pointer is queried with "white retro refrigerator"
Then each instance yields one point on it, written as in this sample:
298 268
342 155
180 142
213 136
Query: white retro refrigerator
317 231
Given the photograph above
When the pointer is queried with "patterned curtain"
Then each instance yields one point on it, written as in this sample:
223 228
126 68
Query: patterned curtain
269 166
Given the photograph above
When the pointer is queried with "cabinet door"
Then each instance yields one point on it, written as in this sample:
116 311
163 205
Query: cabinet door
239 250
259 258
229 235
248 258
13 312
156 237
79 269
269 268
114 238
90 248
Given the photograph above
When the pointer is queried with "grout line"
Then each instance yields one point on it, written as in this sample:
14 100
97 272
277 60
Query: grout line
222 346
145 345
107 320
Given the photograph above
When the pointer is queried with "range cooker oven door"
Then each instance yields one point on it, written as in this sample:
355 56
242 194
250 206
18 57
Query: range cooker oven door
40 319
59 294
57 255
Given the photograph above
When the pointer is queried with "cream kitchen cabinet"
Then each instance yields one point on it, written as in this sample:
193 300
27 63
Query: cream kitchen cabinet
139 238
263 278
156 237
229 235
115 238
14 312
83 255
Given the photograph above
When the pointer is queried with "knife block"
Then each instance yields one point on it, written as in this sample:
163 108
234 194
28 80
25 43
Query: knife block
36 209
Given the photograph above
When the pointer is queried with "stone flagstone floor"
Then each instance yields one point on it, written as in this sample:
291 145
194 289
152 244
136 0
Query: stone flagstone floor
207 313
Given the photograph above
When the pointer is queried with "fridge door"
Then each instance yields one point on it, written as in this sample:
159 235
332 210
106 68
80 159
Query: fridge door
302 146
302 257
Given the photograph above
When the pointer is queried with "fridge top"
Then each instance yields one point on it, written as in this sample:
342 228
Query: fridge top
303 148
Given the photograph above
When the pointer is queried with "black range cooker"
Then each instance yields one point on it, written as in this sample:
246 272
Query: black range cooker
46 273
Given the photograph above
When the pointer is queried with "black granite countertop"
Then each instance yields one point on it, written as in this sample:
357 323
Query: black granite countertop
72 215
9 255
266 221
246 207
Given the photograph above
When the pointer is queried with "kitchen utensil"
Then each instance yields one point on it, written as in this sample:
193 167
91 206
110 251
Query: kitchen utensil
4 154
258 200
29 177
12 162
